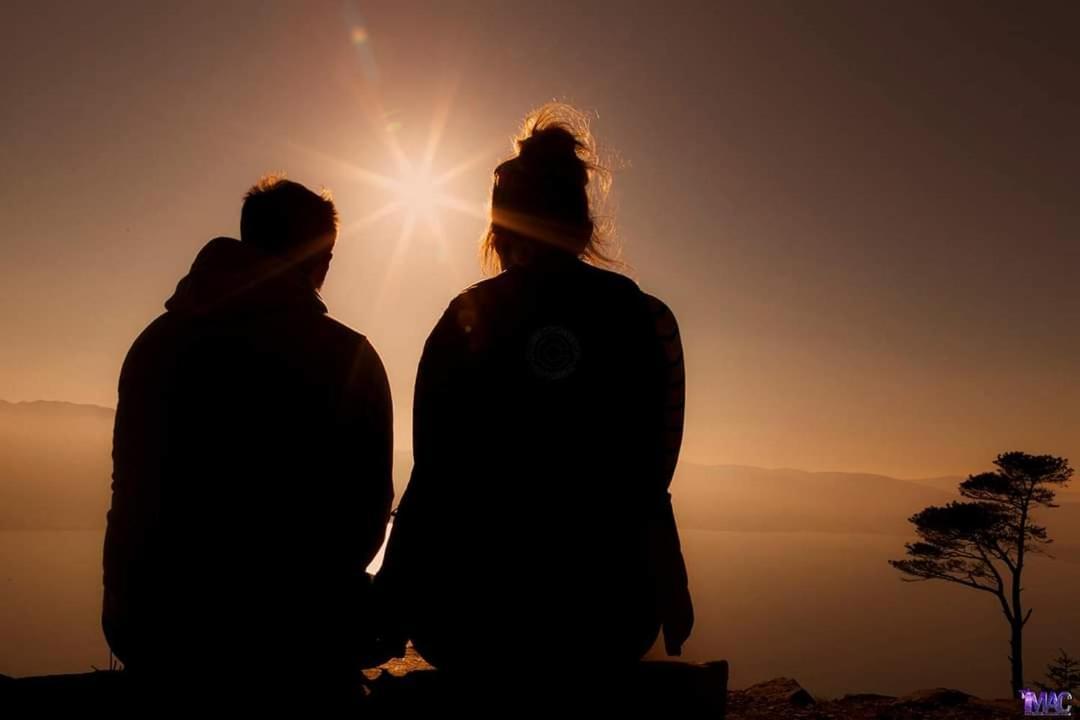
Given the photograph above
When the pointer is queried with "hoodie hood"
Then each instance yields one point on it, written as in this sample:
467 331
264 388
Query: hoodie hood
232 277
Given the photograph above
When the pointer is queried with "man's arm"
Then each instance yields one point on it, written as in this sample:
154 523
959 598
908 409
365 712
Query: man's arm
133 511
364 447
370 427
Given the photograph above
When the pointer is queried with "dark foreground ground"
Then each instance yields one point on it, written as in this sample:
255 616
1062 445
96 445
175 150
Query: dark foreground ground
784 698
777 698
411 688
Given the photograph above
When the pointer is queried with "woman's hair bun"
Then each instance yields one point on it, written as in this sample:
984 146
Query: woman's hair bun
556 141
552 191
553 140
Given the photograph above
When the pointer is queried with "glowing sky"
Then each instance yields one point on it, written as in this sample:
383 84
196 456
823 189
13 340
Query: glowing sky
864 215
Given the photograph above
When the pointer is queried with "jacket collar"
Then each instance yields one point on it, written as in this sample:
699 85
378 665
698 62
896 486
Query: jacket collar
229 276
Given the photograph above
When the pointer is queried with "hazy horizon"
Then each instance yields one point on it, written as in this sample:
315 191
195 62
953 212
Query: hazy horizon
404 448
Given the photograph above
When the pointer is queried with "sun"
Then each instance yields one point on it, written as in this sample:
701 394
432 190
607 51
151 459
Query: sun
418 192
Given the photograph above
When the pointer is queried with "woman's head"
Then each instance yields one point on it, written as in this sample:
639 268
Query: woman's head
546 198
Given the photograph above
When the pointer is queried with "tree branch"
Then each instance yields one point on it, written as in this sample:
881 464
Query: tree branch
990 564
926 574
1001 555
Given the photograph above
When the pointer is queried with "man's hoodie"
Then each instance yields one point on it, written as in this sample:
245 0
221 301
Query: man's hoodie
252 472
229 277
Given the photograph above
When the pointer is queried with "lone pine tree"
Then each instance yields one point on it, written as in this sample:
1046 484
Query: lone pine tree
983 542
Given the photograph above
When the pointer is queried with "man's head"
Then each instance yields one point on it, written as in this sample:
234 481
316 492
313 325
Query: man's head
285 219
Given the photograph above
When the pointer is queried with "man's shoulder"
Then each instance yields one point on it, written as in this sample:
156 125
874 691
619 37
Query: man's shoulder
342 346
156 334
319 338
340 333
168 327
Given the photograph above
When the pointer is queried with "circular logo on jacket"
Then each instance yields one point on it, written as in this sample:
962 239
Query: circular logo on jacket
553 352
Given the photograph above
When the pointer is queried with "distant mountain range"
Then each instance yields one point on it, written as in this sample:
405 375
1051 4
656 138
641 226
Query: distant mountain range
55 468
55 408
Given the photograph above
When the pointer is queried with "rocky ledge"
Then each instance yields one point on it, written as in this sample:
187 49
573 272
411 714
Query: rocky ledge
409 687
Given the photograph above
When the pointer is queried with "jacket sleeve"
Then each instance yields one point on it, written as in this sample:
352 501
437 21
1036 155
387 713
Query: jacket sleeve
671 395
436 417
672 388
368 428
133 512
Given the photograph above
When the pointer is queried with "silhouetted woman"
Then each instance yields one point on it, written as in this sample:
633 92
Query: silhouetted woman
547 424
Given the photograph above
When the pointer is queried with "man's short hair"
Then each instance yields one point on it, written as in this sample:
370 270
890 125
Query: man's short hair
282 217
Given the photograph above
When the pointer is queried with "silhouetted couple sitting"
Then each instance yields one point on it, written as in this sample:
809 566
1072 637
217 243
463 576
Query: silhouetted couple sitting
253 455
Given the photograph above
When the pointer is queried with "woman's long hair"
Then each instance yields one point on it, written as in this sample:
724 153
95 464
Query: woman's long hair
550 197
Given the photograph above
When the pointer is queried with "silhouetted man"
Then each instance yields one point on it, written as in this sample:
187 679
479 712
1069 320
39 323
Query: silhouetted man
252 467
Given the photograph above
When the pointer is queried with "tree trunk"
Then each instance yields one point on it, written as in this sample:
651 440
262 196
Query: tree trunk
1016 643
1016 646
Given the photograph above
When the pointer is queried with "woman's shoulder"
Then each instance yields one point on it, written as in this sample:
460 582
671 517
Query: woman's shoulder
611 278
461 316
491 293
657 309
662 315
478 295
481 288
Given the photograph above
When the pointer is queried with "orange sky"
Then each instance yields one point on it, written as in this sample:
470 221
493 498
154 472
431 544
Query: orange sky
865 220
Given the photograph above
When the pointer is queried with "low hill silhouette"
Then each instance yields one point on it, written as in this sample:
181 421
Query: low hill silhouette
738 497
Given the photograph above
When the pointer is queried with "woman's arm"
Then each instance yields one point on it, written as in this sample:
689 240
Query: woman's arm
419 514
676 607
